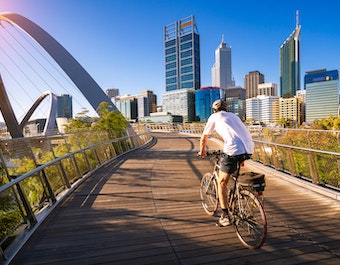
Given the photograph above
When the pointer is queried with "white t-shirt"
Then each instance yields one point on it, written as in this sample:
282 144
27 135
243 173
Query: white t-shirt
236 136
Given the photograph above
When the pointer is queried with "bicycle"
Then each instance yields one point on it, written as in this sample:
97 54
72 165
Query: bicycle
246 212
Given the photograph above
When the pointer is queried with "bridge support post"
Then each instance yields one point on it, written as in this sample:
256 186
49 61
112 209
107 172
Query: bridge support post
291 161
276 159
313 168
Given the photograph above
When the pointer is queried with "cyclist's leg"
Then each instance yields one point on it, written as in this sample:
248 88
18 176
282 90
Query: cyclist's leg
223 180
228 166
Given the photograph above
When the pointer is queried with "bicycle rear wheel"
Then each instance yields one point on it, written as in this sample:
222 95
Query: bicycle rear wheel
250 220
208 194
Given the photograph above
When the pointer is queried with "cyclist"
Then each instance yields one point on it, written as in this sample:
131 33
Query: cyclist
237 143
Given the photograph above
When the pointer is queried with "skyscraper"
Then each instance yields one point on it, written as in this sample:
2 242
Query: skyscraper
182 68
182 55
290 63
251 82
221 72
64 106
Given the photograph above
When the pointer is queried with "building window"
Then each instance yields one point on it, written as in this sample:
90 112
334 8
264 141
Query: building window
170 65
170 50
186 38
170 58
187 85
186 61
186 69
170 43
186 54
171 87
171 80
170 73
186 46
187 77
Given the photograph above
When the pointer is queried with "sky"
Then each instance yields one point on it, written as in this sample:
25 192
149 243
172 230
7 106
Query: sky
120 42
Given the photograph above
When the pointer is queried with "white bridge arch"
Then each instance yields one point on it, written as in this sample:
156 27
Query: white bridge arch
79 76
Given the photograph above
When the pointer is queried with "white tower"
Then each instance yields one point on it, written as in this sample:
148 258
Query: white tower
221 71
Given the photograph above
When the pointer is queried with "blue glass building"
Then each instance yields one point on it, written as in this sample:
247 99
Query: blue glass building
64 106
182 68
322 94
204 100
182 55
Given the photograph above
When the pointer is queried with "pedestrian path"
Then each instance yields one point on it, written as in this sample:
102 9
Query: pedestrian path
144 208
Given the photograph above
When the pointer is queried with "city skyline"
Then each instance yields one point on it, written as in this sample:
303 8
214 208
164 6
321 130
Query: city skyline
125 37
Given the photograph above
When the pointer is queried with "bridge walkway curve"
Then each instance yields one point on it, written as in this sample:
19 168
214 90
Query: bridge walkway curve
144 208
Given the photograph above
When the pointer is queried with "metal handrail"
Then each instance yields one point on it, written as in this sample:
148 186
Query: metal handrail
32 216
41 167
317 166
321 167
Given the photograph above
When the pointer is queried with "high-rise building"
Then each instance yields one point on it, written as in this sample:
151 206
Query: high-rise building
237 106
235 92
147 103
64 106
290 63
127 105
182 67
267 89
322 94
112 92
182 55
264 109
291 110
180 102
235 97
204 98
251 82
301 94
221 71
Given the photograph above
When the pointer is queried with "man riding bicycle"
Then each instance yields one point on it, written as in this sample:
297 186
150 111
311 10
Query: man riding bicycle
237 142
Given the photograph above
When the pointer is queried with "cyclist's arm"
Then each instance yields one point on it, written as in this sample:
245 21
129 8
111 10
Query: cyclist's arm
203 144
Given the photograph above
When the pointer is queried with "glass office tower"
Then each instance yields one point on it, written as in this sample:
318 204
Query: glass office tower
205 97
290 63
64 106
182 55
322 94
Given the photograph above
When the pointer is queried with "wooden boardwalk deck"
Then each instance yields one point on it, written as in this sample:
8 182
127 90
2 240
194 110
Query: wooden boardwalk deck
144 208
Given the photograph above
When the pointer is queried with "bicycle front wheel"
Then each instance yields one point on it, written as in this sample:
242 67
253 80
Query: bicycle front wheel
208 194
250 220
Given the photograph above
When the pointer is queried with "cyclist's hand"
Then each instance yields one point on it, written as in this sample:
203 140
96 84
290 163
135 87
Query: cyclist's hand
201 154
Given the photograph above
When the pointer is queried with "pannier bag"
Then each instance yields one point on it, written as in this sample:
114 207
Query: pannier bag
252 179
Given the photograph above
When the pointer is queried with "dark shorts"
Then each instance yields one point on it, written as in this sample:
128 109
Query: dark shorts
229 163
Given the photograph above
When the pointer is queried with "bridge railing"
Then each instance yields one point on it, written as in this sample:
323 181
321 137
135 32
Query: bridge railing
37 172
313 155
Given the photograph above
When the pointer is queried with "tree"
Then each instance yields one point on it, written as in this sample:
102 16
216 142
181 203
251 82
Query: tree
81 122
284 122
329 123
111 121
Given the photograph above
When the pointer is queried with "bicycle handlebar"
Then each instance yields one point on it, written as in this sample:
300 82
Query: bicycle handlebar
215 152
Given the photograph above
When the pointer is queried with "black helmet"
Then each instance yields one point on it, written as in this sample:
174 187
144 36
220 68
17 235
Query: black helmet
219 105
